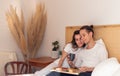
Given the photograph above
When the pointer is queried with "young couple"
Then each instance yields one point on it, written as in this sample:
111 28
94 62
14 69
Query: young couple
88 52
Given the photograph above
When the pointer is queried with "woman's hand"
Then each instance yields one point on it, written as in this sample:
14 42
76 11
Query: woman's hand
70 62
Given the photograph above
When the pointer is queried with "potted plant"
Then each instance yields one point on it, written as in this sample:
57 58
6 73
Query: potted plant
55 49
55 45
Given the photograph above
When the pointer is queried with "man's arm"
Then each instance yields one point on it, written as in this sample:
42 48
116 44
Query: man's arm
82 69
86 69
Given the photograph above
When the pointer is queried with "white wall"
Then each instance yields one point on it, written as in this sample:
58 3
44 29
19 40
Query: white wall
61 13
7 42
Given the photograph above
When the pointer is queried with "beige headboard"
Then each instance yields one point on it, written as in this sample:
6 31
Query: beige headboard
109 33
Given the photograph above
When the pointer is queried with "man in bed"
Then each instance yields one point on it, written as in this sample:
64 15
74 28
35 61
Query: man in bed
90 56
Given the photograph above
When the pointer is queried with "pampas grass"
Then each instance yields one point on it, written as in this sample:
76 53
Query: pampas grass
35 29
16 26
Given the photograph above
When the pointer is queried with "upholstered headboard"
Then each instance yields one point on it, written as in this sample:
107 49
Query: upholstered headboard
109 33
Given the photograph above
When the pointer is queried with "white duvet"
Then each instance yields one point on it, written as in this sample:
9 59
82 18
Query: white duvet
109 67
46 70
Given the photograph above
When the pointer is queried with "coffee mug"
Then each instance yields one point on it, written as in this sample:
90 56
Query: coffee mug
72 56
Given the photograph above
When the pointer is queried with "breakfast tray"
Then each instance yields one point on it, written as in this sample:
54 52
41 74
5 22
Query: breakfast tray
66 70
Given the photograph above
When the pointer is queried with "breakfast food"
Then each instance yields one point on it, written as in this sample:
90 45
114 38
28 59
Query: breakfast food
66 70
58 69
71 70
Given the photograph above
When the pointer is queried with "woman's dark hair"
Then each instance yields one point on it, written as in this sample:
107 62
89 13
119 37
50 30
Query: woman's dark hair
74 44
88 29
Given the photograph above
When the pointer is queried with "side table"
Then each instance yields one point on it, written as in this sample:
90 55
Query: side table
41 62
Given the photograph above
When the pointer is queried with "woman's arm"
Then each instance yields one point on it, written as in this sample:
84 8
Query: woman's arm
64 55
71 63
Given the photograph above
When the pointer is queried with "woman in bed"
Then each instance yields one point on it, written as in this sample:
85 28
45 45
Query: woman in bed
90 56
73 47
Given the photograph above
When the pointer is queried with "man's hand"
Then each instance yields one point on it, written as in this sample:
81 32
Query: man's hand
86 69
83 69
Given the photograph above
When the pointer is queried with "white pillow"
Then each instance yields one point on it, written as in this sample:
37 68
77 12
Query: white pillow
106 68
117 73
100 41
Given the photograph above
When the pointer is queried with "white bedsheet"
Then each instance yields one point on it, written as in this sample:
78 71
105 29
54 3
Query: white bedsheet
46 70
112 61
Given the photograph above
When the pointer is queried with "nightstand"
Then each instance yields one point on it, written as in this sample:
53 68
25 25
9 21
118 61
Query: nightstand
41 62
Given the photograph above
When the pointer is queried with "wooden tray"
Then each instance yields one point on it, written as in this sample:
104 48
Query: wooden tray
67 71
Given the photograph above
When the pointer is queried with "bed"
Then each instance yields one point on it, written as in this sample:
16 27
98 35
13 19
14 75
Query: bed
110 36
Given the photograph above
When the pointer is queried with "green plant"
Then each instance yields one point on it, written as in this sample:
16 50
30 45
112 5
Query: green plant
55 45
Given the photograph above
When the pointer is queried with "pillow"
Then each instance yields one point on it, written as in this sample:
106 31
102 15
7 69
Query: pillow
100 41
106 67
117 73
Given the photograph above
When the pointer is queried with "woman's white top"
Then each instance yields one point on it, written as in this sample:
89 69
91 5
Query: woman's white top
91 57
69 49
